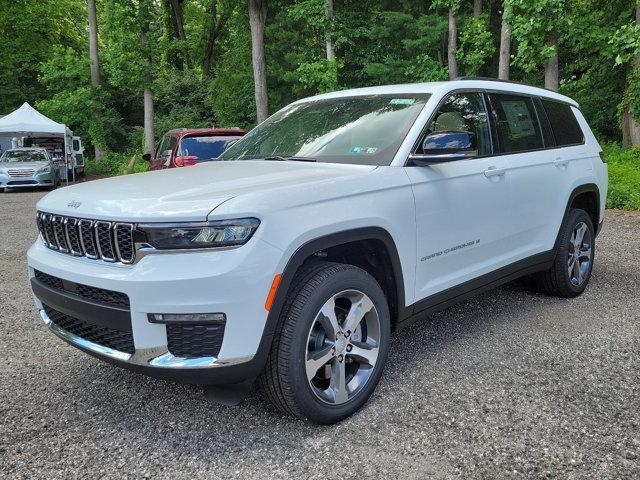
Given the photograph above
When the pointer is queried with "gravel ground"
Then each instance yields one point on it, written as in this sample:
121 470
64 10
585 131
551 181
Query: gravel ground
512 384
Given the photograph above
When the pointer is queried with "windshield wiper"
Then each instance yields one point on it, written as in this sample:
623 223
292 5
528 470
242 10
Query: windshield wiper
279 158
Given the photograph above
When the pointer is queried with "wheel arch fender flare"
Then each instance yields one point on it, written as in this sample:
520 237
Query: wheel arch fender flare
579 190
335 239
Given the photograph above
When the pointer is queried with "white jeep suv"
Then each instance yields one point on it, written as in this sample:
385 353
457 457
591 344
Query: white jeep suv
336 221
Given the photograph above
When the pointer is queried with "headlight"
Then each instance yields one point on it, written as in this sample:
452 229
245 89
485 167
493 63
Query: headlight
222 233
46 169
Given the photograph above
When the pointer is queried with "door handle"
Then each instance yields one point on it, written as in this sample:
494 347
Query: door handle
494 172
560 162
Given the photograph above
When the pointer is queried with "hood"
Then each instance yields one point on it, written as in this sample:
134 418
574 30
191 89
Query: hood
24 165
185 194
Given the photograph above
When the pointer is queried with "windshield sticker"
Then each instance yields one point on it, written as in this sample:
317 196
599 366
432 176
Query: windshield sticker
364 150
402 101
520 122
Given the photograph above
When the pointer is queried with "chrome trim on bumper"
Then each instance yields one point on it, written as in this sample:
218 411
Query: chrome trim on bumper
81 342
158 357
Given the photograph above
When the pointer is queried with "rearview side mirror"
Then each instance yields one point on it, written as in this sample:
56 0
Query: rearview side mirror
440 147
146 157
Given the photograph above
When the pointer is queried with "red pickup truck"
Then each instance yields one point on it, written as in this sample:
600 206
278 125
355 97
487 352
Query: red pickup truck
183 147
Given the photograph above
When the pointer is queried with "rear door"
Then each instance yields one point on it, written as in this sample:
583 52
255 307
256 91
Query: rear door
463 207
538 171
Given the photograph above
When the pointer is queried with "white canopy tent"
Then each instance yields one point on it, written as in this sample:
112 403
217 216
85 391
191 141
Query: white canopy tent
26 121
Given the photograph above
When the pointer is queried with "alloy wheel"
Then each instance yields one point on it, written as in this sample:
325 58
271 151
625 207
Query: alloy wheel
342 347
580 254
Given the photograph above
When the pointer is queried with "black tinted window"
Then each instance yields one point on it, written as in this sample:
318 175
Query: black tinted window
517 124
464 112
563 122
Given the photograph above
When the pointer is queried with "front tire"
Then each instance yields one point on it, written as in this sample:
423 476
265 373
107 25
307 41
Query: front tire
572 267
331 344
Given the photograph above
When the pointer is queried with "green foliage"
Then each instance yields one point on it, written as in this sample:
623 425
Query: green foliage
533 21
44 58
477 44
28 31
115 164
624 177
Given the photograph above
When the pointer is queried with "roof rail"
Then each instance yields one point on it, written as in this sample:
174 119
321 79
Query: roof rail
504 81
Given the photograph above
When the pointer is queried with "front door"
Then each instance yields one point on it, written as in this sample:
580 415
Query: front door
462 206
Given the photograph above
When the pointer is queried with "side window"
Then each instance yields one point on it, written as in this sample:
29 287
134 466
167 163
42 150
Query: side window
166 146
516 122
565 127
76 145
464 112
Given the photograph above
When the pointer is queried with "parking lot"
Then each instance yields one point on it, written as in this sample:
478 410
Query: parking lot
512 384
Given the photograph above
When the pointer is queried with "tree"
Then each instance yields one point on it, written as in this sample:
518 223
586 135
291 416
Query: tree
551 72
631 111
505 42
145 18
214 28
328 15
452 44
178 23
257 21
538 28
477 9
95 59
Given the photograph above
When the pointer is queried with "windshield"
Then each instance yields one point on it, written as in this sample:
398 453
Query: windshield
205 148
365 130
11 156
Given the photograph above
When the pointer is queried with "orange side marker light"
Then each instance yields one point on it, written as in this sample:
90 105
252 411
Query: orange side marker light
272 292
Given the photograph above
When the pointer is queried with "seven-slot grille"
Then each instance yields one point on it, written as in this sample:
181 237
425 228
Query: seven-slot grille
95 239
22 172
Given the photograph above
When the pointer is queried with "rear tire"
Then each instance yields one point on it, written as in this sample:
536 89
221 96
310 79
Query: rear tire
572 267
330 345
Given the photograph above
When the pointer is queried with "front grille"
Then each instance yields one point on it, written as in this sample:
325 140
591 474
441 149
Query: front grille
103 295
107 337
22 182
192 341
21 172
112 242
50 280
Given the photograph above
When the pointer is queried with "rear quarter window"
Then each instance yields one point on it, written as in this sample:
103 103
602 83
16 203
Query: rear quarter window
566 129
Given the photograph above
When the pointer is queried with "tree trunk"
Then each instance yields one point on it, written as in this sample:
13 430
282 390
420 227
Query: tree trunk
551 75
452 45
505 44
147 75
328 15
215 28
149 134
178 21
257 20
477 9
95 60
631 118
93 43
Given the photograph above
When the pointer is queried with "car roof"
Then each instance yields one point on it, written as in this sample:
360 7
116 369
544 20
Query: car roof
189 132
445 87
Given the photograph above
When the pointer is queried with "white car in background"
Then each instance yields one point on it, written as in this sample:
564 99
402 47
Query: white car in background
337 220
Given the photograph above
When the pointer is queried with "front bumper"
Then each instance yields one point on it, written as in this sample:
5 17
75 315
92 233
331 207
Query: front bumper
235 282
37 180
